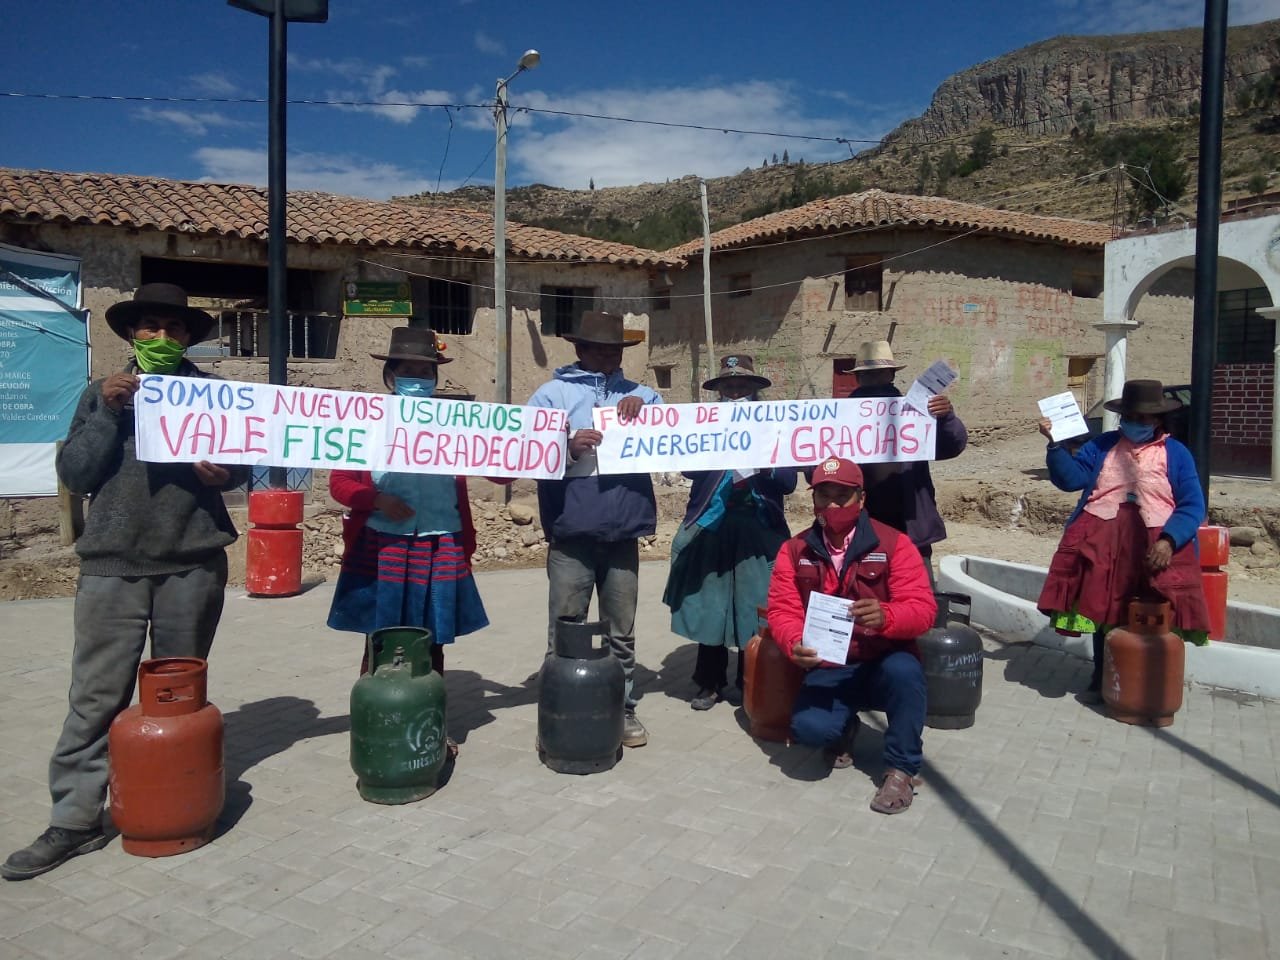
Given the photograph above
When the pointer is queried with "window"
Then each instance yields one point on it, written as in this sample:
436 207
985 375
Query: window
863 282
740 285
247 333
562 308
445 305
1085 283
659 298
662 376
1243 335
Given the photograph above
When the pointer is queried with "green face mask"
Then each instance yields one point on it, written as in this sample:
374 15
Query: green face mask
160 355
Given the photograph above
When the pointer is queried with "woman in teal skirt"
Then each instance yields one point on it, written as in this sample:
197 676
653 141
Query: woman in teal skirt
722 557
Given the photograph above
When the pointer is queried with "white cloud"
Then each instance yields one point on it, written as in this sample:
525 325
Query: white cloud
571 151
343 174
1142 16
373 87
487 44
214 84
192 123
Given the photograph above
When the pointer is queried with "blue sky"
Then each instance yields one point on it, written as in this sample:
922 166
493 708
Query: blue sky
848 69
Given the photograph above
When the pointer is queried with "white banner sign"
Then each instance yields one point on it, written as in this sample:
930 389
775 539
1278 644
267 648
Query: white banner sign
774 433
227 422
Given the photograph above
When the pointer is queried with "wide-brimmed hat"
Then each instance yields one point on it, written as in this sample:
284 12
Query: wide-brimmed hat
876 355
737 368
158 299
601 328
837 470
1143 396
413 343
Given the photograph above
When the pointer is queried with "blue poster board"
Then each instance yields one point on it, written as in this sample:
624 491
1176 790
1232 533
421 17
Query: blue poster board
44 365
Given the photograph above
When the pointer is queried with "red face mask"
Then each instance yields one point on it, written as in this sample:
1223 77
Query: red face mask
837 520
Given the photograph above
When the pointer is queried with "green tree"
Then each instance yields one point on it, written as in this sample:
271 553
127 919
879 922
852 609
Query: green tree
1258 183
948 166
1085 120
1158 173
924 174
785 158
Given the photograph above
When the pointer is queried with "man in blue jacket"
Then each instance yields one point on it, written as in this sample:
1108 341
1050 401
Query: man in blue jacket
593 523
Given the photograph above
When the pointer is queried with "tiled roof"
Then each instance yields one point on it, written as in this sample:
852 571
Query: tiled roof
875 208
238 210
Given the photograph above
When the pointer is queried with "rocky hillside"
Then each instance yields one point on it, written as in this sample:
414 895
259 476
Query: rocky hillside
1056 111
1043 88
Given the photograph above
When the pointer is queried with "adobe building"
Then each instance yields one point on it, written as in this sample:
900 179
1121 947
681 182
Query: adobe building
1009 299
211 239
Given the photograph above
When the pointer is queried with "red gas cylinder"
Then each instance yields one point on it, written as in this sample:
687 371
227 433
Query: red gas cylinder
1215 551
273 558
166 761
770 684
1142 667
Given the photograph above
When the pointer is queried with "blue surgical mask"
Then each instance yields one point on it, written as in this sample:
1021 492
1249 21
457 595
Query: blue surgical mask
1137 432
414 387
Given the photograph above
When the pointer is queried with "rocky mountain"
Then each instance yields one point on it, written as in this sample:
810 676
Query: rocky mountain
1057 111
1043 88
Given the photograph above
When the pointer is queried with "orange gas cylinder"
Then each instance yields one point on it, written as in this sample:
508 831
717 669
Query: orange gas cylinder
1142 667
165 752
770 685
273 556
1215 551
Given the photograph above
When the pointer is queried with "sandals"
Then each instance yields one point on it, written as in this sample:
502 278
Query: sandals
450 748
840 756
896 792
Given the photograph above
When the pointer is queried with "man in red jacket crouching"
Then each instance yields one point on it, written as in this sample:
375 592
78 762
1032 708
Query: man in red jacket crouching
847 554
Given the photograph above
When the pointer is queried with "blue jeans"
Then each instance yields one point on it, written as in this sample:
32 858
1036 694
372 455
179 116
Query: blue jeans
830 696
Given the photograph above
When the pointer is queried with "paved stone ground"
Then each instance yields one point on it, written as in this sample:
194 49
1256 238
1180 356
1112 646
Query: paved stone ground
1044 831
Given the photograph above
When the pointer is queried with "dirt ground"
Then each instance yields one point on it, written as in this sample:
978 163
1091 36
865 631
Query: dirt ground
995 499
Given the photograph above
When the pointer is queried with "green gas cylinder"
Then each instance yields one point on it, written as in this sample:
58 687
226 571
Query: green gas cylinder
397 718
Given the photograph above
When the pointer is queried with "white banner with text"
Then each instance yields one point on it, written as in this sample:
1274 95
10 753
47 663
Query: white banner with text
772 433
229 422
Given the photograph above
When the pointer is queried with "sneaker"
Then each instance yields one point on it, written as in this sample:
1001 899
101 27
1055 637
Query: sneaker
633 732
705 699
732 695
52 849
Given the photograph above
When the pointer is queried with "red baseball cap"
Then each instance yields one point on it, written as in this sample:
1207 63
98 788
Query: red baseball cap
845 473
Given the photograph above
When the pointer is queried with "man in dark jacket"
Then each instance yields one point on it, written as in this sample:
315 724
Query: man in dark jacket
901 495
152 555
593 523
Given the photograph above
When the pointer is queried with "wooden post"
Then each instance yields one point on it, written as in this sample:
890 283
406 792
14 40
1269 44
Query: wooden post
70 512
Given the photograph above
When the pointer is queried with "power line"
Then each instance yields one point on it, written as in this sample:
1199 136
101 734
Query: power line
579 115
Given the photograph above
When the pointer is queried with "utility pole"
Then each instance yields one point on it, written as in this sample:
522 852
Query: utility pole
1204 328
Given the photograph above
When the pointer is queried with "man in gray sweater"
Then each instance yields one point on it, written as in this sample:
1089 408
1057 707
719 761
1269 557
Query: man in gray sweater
152 557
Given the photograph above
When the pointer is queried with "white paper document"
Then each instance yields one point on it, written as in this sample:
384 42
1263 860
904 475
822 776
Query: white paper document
828 626
932 382
1064 412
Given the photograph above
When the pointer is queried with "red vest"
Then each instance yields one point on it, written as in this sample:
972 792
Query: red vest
863 576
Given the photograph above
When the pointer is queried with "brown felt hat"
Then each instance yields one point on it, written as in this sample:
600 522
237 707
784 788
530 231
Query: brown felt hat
601 328
158 299
1143 396
737 368
413 343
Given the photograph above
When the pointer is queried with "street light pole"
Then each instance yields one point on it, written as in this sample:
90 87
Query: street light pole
502 370
280 13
